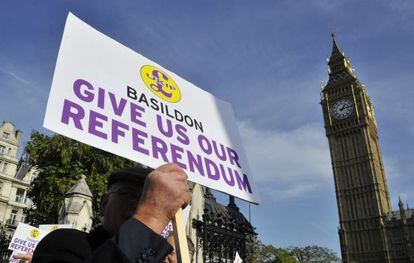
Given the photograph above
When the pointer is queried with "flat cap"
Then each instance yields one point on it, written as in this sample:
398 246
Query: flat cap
135 175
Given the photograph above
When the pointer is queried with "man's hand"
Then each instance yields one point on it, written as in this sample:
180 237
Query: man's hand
24 258
165 191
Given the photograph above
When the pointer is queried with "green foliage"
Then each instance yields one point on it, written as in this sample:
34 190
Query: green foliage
308 254
61 162
271 254
252 249
314 254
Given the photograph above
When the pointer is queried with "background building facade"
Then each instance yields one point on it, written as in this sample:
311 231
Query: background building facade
216 230
76 209
15 178
369 230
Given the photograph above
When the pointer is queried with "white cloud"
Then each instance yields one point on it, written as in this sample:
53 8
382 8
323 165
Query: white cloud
23 83
399 184
287 164
296 163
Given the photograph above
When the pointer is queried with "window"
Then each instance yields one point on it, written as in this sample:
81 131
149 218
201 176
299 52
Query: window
13 216
2 149
6 135
20 195
23 219
4 167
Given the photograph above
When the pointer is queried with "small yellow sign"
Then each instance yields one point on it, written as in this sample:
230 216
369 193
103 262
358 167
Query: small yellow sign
160 83
34 233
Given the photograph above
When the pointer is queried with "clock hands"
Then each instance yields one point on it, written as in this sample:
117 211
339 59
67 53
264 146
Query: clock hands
342 109
345 107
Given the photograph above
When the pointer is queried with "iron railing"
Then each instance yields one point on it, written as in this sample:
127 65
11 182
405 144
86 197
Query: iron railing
221 237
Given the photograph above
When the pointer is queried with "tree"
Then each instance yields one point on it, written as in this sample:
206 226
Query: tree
313 254
61 161
308 254
252 249
271 254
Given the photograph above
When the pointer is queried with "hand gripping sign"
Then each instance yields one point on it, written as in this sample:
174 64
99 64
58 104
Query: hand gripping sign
108 96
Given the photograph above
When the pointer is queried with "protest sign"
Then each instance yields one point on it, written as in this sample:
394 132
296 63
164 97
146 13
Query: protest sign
108 96
51 227
26 238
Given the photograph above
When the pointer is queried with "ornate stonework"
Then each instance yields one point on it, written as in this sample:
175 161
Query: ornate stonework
15 179
368 229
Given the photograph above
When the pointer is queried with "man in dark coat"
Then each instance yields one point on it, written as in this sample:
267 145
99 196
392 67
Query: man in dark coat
135 211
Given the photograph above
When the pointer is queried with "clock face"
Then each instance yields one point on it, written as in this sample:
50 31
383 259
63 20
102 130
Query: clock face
342 109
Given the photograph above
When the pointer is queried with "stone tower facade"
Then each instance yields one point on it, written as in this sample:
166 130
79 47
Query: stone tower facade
366 231
76 210
15 179
360 184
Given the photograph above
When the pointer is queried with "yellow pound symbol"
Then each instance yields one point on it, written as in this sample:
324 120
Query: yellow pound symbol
34 233
160 83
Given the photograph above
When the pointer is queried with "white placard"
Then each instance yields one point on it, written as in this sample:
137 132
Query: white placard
108 96
51 227
26 238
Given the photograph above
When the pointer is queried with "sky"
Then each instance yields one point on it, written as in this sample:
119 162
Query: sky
268 59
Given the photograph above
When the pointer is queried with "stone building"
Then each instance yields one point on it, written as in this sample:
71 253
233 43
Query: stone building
369 231
216 230
399 227
76 209
15 179
196 213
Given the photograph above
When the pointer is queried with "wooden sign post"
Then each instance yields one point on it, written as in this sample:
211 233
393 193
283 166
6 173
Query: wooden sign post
180 238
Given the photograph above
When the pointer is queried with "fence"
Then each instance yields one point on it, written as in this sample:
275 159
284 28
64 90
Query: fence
4 252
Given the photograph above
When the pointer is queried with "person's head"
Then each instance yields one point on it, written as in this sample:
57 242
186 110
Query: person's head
121 199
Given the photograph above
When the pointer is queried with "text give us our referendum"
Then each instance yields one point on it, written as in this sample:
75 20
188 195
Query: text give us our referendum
110 97
133 107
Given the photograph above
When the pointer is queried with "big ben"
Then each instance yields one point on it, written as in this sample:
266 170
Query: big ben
360 183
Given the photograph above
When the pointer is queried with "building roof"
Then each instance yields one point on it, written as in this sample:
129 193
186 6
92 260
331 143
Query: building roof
81 187
225 214
336 53
397 215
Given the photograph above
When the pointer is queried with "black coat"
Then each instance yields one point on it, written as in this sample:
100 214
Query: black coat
134 243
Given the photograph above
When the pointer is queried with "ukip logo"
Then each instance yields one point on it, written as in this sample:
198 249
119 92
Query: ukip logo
34 233
160 83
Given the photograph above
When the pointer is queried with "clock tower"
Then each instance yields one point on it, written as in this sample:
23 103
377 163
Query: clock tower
360 184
